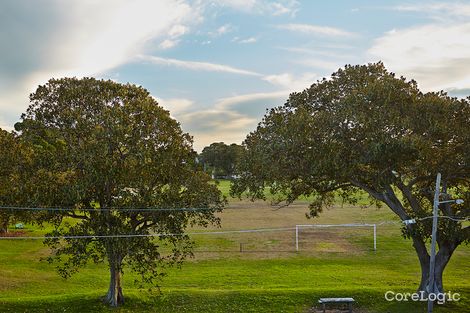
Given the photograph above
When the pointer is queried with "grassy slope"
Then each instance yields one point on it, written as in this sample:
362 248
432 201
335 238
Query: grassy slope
220 279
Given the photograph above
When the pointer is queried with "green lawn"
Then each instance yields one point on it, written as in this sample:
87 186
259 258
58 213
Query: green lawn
269 276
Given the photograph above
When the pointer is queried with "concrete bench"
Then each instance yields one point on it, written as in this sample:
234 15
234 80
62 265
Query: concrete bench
324 301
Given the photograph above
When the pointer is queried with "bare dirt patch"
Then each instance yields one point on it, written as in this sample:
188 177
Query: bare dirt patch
14 233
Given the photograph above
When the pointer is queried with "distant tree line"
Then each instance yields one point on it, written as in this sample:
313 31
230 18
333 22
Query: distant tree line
221 160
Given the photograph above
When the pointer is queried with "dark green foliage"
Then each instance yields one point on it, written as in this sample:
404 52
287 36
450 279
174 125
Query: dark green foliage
102 146
221 159
15 181
366 129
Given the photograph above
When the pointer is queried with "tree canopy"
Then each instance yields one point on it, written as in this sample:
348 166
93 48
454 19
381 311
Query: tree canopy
115 161
221 159
366 129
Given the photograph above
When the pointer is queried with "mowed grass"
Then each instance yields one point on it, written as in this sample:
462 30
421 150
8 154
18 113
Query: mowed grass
267 276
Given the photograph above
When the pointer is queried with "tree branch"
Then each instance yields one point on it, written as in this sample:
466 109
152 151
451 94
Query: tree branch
394 203
418 179
406 191
388 197
377 195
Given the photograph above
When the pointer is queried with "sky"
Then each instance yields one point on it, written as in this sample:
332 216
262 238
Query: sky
218 65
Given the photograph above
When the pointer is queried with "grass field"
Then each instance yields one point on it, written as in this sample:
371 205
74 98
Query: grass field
267 276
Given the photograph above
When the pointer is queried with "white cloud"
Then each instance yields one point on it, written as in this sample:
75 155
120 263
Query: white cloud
289 82
101 35
229 126
310 56
241 5
174 33
280 8
437 9
167 44
276 8
176 106
79 38
436 55
244 41
248 40
230 118
178 30
224 29
197 66
225 103
316 30
317 63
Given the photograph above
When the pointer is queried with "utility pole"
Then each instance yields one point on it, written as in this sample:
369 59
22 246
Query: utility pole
431 287
432 260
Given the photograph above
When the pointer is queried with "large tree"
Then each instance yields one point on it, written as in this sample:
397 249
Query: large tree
365 129
111 154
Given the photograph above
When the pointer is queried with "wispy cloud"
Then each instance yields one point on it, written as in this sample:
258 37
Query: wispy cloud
274 8
436 9
196 66
178 30
290 8
168 43
176 106
316 30
437 55
244 41
229 126
231 118
225 103
330 52
174 34
290 82
222 30
325 65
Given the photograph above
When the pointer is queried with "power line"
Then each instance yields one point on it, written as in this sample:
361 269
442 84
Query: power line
458 219
259 230
138 209
124 209
157 209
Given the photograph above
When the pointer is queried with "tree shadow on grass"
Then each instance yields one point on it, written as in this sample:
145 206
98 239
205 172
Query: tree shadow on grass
367 301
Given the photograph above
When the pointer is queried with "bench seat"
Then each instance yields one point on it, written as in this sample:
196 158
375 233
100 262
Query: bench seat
324 301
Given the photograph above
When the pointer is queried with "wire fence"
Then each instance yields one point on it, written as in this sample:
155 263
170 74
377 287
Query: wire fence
270 242
314 238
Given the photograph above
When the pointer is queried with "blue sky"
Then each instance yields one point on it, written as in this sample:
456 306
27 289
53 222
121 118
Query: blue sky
218 65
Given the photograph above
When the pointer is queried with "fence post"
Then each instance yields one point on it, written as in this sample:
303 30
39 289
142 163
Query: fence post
297 238
375 237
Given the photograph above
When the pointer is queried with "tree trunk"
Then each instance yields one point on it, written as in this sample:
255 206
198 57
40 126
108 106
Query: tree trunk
4 226
442 258
114 297
423 257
